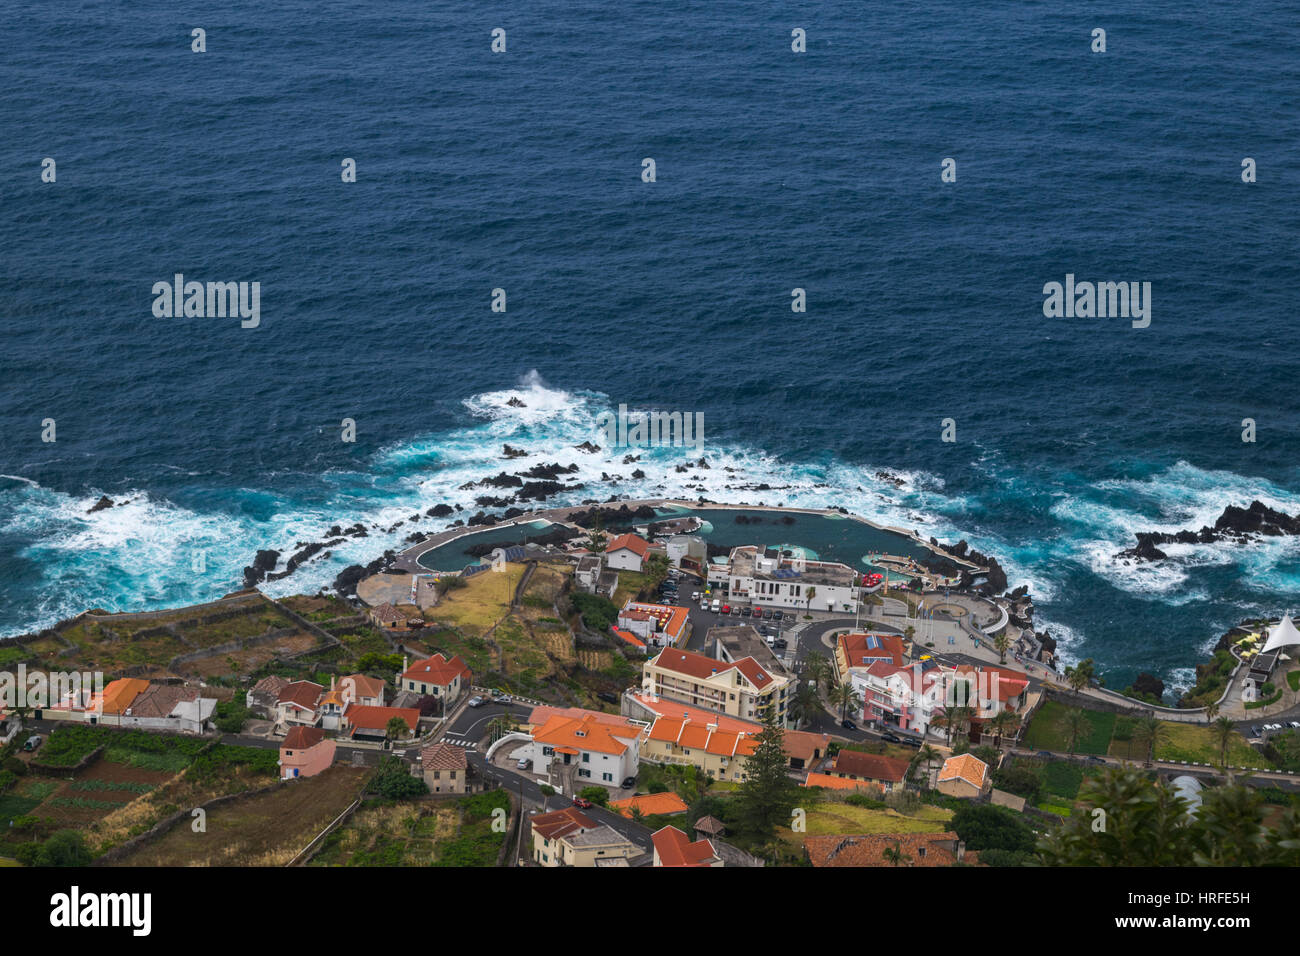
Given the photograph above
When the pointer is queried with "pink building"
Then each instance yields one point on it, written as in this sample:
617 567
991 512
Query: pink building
305 753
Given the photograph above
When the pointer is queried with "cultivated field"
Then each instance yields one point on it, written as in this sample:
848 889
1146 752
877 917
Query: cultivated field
261 830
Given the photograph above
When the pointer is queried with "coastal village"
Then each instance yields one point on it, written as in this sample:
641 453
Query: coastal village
604 686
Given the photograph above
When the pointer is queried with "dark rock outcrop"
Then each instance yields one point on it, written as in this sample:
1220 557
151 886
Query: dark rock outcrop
103 502
1234 524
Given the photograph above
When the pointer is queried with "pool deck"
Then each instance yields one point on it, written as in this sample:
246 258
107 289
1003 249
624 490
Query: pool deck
409 560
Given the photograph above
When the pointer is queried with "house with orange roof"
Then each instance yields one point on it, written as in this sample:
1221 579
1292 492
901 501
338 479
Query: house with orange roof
702 743
830 782
626 552
600 748
371 723
569 837
804 748
297 705
117 699
445 768
354 688
672 847
658 625
869 850
437 676
305 752
741 688
650 804
964 776
887 773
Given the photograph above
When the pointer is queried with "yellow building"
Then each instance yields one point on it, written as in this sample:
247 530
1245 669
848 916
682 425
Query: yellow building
569 837
742 688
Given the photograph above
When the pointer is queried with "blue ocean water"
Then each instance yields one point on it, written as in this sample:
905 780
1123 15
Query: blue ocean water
775 170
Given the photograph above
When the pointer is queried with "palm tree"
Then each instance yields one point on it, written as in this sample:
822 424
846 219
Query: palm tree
1223 731
928 755
397 728
812 593
1077 725
894 855
1211 711
1001 722
805 703
1150 731
819 670
954 719
1003 644
1079 676
845 696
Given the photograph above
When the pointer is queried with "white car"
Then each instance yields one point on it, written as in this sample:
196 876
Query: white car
695 595
717 605
1295 723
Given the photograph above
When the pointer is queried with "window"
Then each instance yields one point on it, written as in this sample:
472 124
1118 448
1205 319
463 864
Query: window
584 773
607 776
586 758
437 775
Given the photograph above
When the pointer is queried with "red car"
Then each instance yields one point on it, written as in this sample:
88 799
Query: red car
581 803
726 609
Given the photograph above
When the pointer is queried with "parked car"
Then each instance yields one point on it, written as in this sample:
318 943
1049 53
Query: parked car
726 609
1095 759
1296 724
477 701
717 605
1045 754
787 616
746 611
629 783
607 697
695 595
500 698
33 742
780 643
891 737
848 725
523 763
582 803
767 615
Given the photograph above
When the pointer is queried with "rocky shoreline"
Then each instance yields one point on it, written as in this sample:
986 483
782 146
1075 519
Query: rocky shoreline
1236 525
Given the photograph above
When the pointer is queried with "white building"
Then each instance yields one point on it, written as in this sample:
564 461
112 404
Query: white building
627 552
602 747
768 579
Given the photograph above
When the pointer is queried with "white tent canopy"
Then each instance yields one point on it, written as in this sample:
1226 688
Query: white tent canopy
1284 635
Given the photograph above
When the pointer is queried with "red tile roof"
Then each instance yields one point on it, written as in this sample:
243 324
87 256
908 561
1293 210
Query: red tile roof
360 717
631 542
588 732
665 707
302 738
303 693
676 849
442 756
852 763
438 670
965 767
840 783
701 667
561 823
859 654
650 803
923 849
699 735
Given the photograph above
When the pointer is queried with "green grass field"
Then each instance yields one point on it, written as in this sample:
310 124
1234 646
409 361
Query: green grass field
1047 730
